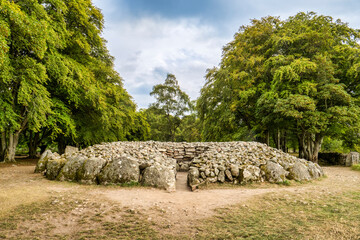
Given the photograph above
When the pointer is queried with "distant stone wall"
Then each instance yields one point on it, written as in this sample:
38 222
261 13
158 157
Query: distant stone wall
183 153
156 163
334 158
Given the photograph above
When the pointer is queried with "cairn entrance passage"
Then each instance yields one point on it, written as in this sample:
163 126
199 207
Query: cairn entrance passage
183 153
156 164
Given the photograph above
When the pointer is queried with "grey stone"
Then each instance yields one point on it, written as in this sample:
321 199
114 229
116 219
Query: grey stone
221 176
274 172
315 170
120 170
90 170
160 176
184 167
250 174
299 172
228 175
41 164
221 168
53 167
193 178
71 168
351 159
234 170
69 150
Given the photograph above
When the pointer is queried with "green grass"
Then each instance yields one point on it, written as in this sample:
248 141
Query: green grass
356 167
273 216
38 220
276 217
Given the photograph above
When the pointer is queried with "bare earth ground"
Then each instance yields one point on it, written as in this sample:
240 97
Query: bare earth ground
56 210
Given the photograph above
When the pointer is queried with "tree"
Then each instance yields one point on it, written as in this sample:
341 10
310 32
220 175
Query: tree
170 107
140 130
57 78
290 78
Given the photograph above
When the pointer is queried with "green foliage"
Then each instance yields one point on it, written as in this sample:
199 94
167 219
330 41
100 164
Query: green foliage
56 75
167 113
140 130
294 76
188 130
356 167
333 145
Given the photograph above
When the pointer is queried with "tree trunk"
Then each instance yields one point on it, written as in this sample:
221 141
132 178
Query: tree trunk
278 139
34 141
316 148
310 145
61 145
267 137
283 142
11 147
3 147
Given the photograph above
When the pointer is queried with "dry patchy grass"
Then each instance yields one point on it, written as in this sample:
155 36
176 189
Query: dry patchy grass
35 208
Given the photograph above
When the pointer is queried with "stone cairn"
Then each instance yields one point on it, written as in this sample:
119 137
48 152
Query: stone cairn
156 163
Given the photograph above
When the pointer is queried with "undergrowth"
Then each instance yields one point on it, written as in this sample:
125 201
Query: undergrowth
356 167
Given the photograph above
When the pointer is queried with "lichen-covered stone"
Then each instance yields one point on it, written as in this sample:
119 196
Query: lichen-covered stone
120 170
274 172
70 150
250 174
90 170
41 164
315 170
299 172
71 169
54 166
160 176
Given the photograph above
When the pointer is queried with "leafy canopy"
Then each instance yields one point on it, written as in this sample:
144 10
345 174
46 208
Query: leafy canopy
296 75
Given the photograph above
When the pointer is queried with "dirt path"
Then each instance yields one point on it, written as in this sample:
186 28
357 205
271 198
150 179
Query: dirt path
179 209
181 182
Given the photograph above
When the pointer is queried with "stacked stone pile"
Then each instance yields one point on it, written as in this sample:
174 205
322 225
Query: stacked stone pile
155 164
112 163
183 152
244 162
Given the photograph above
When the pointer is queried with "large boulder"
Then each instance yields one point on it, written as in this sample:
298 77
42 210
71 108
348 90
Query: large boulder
120 170
299 172
250 173
160 176
90 170
315 170
351 159
53 167
274 172
71 169
41 164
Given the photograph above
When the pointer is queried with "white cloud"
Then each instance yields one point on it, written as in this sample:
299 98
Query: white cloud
149 47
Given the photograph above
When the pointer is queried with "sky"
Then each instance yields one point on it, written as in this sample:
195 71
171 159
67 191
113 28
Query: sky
150 38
